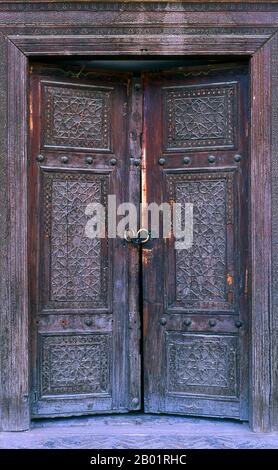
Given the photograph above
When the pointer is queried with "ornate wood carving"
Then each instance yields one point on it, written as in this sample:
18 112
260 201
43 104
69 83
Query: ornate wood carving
78 268
75 364
136 6
202 365
200 117
77 118
78 316
201 271
195 294
227 18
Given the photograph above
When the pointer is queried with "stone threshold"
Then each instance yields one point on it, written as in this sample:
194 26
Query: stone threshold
137 431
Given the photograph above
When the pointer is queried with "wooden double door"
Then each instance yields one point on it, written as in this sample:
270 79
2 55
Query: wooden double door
119 326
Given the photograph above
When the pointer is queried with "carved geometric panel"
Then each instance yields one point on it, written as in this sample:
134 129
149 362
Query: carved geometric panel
75 364
77 117
202 365
200 117
78 268
201 271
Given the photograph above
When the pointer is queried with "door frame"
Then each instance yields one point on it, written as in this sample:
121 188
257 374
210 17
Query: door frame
235 30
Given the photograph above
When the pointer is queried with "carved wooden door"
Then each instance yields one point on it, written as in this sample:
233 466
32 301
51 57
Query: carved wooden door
195 299
84 291
78 284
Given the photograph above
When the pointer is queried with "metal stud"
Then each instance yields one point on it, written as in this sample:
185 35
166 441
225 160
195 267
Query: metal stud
187 322
135 402
187 160
211 159
89 160
113 161
64 159
212 322
163 321
88 322
238 323
237 158
40 158
161 161
137 162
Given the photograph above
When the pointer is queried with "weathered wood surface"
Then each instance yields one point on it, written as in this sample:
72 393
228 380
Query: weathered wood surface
273 307
134 255
197 320
261 236
14 315
78 285
257 22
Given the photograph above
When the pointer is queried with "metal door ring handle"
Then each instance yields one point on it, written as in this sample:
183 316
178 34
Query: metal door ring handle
129 235
146 239
132 237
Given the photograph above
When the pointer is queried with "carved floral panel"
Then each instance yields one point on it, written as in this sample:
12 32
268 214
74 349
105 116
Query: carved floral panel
200 117
78 268
77 117
202 365
75 364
